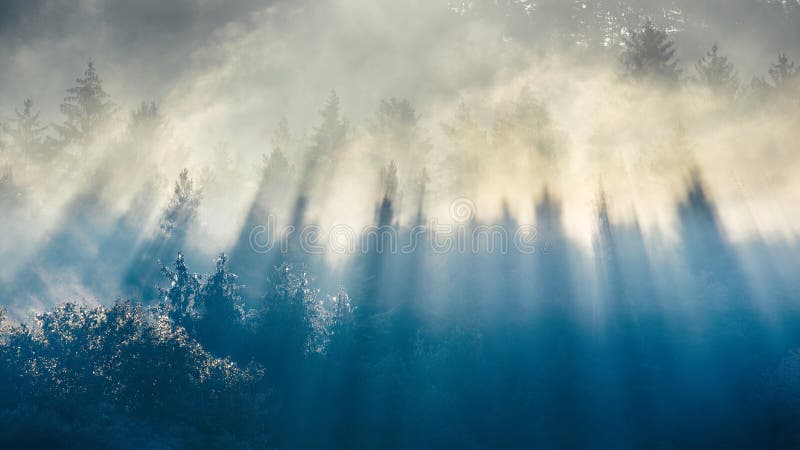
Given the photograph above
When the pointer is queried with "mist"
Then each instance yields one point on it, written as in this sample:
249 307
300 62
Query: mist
584 208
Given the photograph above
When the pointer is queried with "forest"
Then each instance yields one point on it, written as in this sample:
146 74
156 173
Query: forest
592 245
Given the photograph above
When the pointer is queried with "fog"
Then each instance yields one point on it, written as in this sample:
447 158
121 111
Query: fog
223 77
586 207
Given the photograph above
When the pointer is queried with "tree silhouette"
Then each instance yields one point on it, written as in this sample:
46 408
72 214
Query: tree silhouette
783 72
650 54
526 125
167 241
292 317
220 311
282 137
396 135
145 121
181 209
86 107
717 73
28 134
330 135
181 298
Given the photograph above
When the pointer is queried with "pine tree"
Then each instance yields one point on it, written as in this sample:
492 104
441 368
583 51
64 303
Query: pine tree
525 125
221 299
783 72
717 73
277 176
278 173
86 107
182 207
220 310
331 134
181 297
145 122
650 54
396 136
282 137
395 118
27 133
292 321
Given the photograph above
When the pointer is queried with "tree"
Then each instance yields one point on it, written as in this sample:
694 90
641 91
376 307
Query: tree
11 191
282 137
394 117
86 107
277 172
145 129
220 310
278 168
783 72
650 54
342 312
27 133
182 207
180 299
526 125
292 321
397 136
330 135
170 238
277 175
90 370
146 121
717 73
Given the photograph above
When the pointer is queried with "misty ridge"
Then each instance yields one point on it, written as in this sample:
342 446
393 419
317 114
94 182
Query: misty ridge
617 181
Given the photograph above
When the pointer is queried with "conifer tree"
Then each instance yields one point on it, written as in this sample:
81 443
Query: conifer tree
783 72
182 207
146 121
650 54
330 135
86 107
220 310
27 133
396 135
717 73
181 297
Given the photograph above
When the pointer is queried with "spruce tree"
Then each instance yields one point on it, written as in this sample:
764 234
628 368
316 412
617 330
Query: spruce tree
27 133
331 134
396 135
650 54
783 72
717 73
86 107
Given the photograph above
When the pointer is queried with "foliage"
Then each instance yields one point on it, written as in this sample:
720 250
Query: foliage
131 361
28 134
86 107
330 135
717 73
182 207
783 72
650 54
